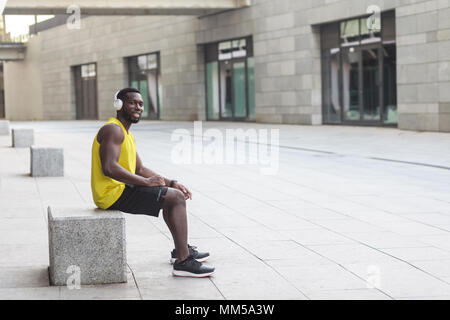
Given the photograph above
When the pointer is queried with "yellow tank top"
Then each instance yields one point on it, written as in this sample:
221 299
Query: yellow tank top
106 191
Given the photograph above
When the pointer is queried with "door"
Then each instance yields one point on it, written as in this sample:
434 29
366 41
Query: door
86 92
2 104
351 84
371 88
361 84
239 90
226 90
233 90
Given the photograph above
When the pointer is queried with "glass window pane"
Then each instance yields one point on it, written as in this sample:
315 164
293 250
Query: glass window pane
330 85
369 35
241 50
390 115
142 62
152 83
239 90
91 70
225 50
371 84
251 88
212 87
143 88
152 61
144 75
84 71
350 32
160 95
350 83
226 89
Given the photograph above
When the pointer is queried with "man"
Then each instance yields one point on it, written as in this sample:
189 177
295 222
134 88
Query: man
120 181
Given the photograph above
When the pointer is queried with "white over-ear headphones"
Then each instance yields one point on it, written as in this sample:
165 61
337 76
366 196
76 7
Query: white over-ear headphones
118 103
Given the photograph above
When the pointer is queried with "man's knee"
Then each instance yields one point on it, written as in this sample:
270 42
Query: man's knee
174 197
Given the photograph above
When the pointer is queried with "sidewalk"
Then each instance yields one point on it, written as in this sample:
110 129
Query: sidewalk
353 213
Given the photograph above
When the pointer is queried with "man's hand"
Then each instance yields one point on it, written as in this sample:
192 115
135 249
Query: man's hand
156 181
186 192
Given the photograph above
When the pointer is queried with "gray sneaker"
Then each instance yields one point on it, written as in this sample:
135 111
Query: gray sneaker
191 268
199 256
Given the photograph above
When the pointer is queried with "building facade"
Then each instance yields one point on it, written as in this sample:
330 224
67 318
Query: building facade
285 61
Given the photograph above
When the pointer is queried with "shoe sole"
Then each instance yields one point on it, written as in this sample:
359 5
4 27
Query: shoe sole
186 274
172 260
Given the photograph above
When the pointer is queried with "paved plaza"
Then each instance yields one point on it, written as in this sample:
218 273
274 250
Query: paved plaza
351 213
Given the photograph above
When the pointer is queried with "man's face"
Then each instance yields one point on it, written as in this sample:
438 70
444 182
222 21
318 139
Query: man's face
133 106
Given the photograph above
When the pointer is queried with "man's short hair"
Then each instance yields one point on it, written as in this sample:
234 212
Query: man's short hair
122 95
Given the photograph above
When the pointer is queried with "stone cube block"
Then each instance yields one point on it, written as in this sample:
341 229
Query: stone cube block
4 127
46 161
86 246
22 138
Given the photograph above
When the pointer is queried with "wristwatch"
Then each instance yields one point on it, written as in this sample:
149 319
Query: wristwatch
172 182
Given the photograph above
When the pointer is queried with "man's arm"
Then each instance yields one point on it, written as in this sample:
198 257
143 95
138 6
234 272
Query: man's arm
110 138
147 173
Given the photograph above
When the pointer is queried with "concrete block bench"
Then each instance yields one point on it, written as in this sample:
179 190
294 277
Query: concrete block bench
22 138
90 241
4 128
46 161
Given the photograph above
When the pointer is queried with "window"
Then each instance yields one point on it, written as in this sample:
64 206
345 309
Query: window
88 70
359 71
144 75
230 80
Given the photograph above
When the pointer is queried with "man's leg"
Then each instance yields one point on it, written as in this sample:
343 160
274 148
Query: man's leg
175 216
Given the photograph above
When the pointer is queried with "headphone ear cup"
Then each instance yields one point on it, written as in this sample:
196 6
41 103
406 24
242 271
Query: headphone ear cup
118 104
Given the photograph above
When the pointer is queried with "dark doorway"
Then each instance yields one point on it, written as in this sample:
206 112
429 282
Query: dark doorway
86 91
359 72
2 93
230 80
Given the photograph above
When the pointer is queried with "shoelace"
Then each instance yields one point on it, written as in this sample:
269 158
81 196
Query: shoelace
191 259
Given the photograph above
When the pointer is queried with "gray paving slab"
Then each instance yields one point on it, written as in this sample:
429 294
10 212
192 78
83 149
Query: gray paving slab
349 294
318 229
438 268
418 254
24 277
321 278
26 293
170 288
441 241
385 240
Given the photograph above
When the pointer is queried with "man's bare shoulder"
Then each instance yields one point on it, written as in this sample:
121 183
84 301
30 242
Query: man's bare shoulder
110 132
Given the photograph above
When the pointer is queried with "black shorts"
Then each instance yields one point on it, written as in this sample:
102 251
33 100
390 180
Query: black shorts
141 200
